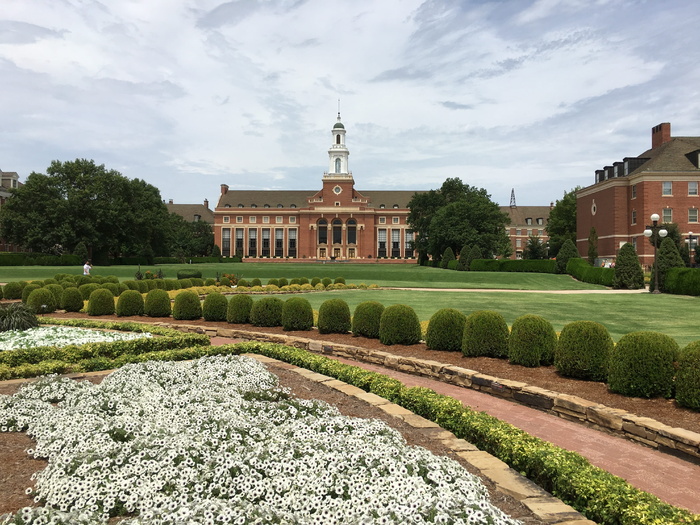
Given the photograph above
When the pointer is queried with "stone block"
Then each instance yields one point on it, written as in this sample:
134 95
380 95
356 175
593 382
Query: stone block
552 510
483 379
514 484
395 410
419 422
372 399
315 346
572 403
482 460
459 445
314 376
605 417
682 436
536 397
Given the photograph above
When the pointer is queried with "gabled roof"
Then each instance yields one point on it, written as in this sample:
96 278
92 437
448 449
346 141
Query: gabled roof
189 211
518 214
299 198
671 156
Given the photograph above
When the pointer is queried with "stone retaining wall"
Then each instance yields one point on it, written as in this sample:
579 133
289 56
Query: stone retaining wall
677 441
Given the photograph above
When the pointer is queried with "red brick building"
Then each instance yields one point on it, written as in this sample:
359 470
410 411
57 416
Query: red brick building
662 180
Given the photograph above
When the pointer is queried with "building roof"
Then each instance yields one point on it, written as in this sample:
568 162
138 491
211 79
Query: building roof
518 214
299 198
674 155
189 212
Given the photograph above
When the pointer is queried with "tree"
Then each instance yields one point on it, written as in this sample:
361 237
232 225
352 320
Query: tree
79 201
592 246
566 252
422 207
562 222
474 253
463 259
628 271
535 248
667 258
447 256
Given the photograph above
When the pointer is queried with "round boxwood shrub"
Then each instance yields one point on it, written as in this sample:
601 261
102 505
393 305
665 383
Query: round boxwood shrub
67 283
72 300
157 303
112 288
303 281
197 281
210 282
297 314
101 302
339 280
160 283
583 350
326 281
27 290
294 280
151 284
214 307
243 283
46 282
225 281
399 325
446 330
132 285
12 290
274 282
334 317
130 303
238 311
256 282
142 286
315 281
641 365
172 284
365 319
282 282
57 291
122 288
485 334
532 341
87 289
185 283
267 311
42 301
187 306
688 377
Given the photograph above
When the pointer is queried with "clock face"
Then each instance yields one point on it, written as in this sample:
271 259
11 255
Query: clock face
337 190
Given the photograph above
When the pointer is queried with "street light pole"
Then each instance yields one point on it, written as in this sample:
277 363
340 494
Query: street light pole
690 249
648 232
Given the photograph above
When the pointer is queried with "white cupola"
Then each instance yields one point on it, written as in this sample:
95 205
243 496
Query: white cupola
338 153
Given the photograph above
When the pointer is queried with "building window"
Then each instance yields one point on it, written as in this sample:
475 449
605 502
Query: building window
667 215
540 221
252 219
518 243
280 206
252 242
337 203
226 242
528 221
396 206
693 215
382 220
667 188
292 242
518 231
337 231
381 239
396 243
394 220
529 233
239 242
226 220
693 188
292 205
240 206
239 219
382 206
253 205
266 206
540 232
323 231
279 242
634 191
634 216
352 231
278 220
266 220
265 251
408 243
292 220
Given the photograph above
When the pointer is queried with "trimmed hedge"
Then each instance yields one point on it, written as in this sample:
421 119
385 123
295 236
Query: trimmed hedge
186 306
399 325
267 311
12 290
130 303
27 290
583 351
238 310
485 334
641 365
42 301
683 281
186 274
513 265
157 303
365 319
581 270
297 314
72 300
446 330
688 377
215 307
334 317
101 302
532 341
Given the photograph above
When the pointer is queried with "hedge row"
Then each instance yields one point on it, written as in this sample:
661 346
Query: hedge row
581 270
683 281
509 265
37 259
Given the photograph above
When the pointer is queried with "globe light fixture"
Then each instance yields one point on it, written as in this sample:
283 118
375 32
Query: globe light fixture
662 232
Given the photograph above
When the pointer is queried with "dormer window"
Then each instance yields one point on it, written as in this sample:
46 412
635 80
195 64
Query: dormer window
240 206
253 205
382 206
280 206
292 205
540 221
227 205
396 206
197 218
528 221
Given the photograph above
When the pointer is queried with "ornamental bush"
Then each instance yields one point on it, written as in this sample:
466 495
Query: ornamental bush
57 291
258 282
42 301
157 303
87 289
667 258
238 310
365 319
334 317
214 307
130 303
628 270
186 274
12 290
210 282
112 288
197 281
567 251
294 280
446 330
399 325
187 306
297 314
132 285
326 282
267 311
72 300
485 334
339 280
274 282
447 256
532 341
27 290
641 365
101 302
688 377
185 283
17 316
225 281
315 281
172 284
583 350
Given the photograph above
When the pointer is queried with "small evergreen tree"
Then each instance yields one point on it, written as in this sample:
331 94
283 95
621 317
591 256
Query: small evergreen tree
447 256
567 251
474 253
667 258
628 271
592 246
81 251
535 248
463 260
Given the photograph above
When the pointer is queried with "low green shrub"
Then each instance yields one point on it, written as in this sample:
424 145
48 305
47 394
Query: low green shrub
101 302
112 288
238 311
12 290
315 281
197 281
532 341
187 306
27 290
151 284
583 350
242 283
446 330
157 303
688 377
185 283
294 280
130 303
297 314
399 325
214 307
132 285
267 311
186 274
339 280
210 282
87 289
274 282
334 317
56 290
303 281
641 365
365 319
172 284
326 282
225 281
72 300
42 301
17 316
485 334
258 282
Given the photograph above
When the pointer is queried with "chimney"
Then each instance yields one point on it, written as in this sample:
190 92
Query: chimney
660 134
170 201
206 203
224 189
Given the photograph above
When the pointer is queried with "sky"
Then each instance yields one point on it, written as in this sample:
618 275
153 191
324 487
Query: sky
524 95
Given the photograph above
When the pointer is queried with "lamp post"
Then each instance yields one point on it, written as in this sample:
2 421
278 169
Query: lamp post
691 240
655 228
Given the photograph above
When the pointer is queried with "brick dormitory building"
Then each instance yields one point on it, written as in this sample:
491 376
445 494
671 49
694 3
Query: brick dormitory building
337 222
664 180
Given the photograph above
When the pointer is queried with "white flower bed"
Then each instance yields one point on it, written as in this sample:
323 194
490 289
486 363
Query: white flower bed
60 336
216 441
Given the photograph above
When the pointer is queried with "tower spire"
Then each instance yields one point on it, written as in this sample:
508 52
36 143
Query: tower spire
512 198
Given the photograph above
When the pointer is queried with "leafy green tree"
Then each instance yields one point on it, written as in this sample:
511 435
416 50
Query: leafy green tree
667 258
562 222
566 252
628 271
463 259
474 253
447 256
79 201
592 246
422 208
81 251
535 248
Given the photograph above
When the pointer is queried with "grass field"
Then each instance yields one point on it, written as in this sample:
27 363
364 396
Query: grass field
674 315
